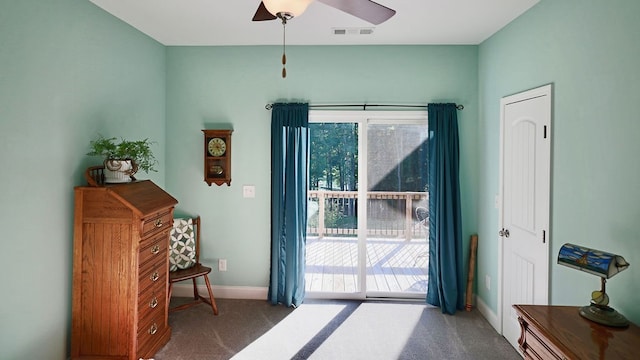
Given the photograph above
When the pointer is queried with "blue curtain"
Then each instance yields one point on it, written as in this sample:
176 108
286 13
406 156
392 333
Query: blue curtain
289 154
446 283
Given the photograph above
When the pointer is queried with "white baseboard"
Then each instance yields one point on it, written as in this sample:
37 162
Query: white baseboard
222 292
488 314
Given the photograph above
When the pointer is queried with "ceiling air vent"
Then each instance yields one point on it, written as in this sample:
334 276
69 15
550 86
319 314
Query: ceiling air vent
353 31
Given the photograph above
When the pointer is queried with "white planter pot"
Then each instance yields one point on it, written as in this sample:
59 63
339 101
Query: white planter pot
118 171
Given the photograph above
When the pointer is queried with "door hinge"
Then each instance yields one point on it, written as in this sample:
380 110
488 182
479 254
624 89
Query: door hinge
545 131
544 236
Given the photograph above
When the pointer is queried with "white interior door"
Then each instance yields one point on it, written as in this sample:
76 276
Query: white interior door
526 176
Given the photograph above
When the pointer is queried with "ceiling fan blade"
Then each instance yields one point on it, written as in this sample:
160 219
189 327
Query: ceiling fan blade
364 9
262 14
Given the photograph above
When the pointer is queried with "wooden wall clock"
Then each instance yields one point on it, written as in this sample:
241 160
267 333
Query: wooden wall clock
217 157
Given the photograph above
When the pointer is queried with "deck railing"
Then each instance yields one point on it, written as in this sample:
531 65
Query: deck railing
389 213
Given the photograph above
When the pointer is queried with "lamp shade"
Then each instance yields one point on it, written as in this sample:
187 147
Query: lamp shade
595 262
292 7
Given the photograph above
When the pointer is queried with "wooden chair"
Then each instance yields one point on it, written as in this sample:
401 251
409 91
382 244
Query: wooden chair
192 273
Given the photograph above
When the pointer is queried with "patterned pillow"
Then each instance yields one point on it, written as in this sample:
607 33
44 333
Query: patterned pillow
182 251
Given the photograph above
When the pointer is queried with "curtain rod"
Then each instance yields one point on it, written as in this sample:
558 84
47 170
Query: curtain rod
365 106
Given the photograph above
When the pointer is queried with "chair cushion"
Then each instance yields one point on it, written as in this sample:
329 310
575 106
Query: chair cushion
182 251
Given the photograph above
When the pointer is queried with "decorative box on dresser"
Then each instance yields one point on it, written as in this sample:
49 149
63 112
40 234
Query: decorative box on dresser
559 332
120 271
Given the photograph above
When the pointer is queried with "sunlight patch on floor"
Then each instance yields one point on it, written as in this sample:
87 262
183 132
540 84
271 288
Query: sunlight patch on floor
286 338
388 326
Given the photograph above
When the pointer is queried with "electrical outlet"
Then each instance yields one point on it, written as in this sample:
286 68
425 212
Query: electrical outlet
487 282
222 265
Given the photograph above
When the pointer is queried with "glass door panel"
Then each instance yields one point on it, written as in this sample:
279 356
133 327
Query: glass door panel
332 230
396 241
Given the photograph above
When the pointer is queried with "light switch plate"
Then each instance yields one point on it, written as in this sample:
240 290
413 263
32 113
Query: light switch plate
248 191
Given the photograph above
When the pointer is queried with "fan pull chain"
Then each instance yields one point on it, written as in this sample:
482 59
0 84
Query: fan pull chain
284 45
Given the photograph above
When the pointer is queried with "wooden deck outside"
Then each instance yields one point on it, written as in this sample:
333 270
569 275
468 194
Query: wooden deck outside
393 265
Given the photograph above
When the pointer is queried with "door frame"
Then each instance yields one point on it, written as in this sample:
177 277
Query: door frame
545 90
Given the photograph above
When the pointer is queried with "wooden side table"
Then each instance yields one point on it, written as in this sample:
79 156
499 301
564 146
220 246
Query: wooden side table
559 332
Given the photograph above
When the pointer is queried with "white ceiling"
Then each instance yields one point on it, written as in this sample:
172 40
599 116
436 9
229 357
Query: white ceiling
211 22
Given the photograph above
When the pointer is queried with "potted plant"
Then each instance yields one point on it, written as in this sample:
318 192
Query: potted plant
124 158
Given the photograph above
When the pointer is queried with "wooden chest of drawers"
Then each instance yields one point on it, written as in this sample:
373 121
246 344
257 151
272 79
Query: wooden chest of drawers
559 332
120 270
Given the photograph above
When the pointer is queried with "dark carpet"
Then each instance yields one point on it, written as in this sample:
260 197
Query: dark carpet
331 329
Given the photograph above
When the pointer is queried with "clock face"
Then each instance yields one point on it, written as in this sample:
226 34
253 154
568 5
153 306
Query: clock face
216 147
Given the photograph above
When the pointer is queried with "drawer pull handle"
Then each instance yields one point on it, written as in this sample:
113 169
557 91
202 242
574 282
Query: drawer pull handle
153 303
153 329
155 276
155 249
158 223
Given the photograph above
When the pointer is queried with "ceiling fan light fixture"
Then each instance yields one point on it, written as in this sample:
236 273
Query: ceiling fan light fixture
290 7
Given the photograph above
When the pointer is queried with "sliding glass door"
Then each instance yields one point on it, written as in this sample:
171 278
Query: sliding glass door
367 231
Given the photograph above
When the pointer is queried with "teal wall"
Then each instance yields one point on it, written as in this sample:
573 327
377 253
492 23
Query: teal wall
589 51
209 87
68 70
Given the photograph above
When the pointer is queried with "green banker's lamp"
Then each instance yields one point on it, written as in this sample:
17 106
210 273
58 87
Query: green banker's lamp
598 263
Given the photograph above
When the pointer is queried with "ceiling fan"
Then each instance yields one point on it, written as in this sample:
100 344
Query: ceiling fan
364 9
287 9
